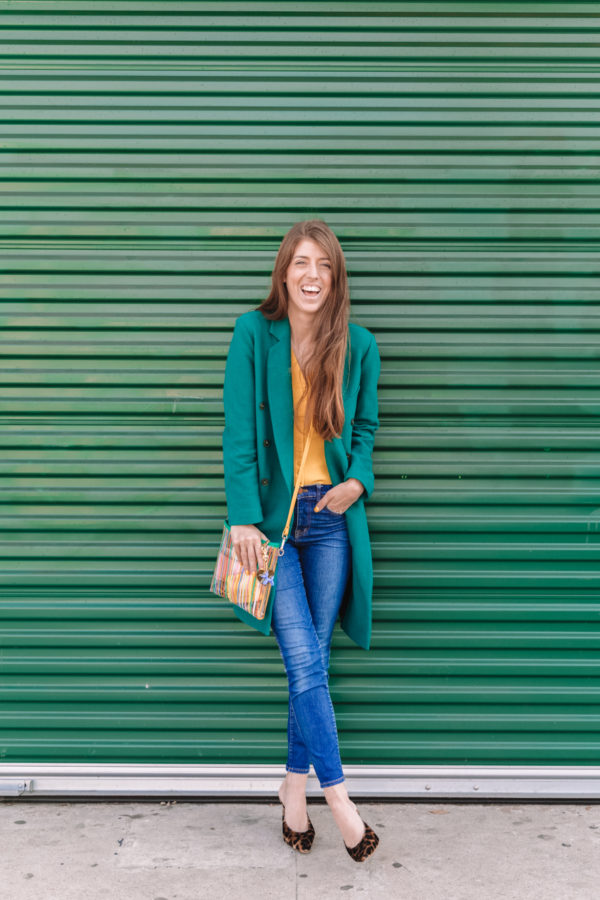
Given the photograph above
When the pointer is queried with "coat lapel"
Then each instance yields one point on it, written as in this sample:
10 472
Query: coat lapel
281 399
281 405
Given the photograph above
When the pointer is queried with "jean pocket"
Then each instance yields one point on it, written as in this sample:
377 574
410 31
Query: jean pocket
332 513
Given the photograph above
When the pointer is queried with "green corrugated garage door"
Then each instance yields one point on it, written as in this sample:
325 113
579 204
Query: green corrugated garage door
153 155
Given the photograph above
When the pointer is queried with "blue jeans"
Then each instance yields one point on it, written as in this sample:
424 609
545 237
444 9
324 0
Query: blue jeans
311 579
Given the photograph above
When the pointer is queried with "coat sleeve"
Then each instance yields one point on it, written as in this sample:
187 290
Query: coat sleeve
366 421
240 461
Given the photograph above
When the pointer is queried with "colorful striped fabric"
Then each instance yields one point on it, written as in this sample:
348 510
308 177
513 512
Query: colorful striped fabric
245 589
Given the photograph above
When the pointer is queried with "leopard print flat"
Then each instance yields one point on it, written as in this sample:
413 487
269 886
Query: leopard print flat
300 840
365 847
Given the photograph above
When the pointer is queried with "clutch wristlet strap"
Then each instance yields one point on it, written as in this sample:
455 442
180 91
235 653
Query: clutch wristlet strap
296 489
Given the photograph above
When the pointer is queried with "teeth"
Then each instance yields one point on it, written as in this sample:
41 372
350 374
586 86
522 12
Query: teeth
312 290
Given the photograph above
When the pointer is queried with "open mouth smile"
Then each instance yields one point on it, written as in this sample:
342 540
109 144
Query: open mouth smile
310 291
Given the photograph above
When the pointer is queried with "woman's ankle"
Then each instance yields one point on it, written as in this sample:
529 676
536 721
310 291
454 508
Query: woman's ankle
337 796
292 794
293 786
345 814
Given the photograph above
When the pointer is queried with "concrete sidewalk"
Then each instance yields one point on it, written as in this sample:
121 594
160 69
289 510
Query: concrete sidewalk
186 850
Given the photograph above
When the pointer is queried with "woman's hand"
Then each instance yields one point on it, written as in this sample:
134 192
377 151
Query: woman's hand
246 540
340 497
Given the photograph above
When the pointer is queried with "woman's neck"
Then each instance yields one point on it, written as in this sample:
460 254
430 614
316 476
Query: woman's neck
301 332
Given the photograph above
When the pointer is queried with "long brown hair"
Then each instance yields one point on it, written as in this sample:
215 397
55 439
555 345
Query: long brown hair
324 369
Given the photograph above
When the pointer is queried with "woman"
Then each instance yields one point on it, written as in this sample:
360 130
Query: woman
300 338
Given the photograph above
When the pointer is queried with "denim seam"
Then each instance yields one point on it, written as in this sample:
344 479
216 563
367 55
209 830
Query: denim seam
331 783
335 732
291 743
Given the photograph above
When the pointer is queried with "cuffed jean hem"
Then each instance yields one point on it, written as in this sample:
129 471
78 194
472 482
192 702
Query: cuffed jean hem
299 771
331 783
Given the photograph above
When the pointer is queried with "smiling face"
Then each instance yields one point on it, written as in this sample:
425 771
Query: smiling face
308 277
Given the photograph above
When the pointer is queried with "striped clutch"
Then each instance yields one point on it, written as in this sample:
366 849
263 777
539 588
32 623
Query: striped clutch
248 590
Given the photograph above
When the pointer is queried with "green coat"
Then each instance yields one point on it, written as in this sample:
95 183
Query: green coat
258 448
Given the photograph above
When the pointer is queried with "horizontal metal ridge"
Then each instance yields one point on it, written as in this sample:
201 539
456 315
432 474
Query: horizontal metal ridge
239 781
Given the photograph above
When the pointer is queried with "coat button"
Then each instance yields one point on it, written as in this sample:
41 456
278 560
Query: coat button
265 481
261 405
266 442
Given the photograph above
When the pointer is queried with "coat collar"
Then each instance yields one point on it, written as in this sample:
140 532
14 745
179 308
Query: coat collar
281 405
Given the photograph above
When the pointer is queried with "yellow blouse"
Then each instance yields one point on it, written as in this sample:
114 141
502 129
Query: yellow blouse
315 467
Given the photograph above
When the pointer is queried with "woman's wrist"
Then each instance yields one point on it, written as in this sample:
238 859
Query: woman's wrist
358 485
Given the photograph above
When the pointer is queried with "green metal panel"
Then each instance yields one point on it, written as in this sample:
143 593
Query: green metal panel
153 155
